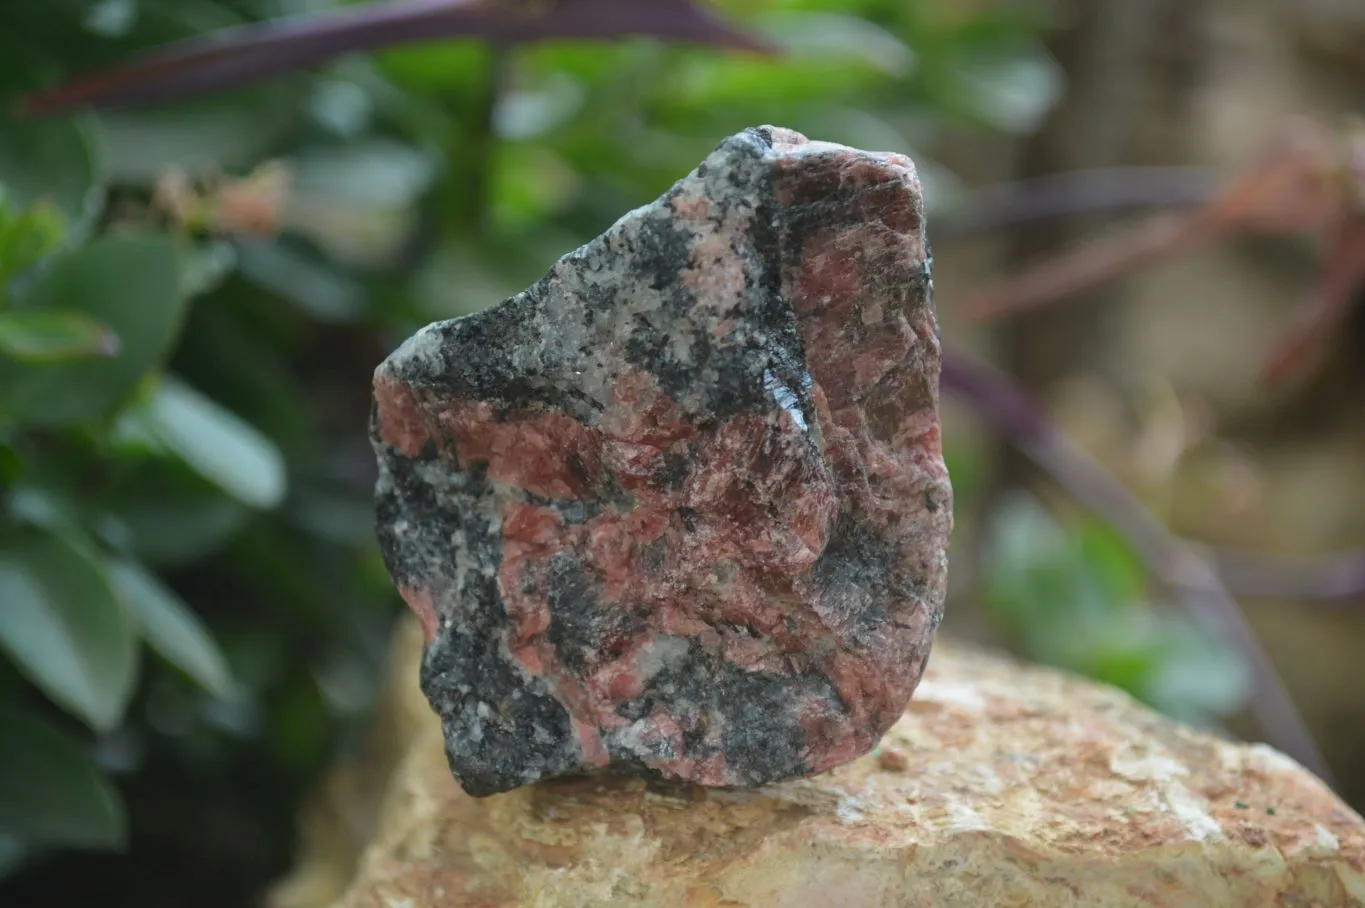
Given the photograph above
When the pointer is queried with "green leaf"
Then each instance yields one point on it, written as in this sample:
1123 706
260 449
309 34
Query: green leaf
53 159
1012 93
323 293
131 283
111 18
530 184
357 201
51 793
65 628
849 37
217 444
1070 597
170 515
54 336
45 505
26 237
532 111
1115 571
208 267
12 854
225 131
1197 675
174 631
11 463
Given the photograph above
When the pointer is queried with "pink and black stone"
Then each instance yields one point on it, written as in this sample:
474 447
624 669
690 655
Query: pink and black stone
679 509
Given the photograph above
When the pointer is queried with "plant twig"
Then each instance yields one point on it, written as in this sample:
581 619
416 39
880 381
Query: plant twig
1339 576
1287 188
1179 563
1340 287
1309 179
244 54
1106 190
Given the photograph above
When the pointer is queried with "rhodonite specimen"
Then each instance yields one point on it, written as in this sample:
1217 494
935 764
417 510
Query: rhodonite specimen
679 509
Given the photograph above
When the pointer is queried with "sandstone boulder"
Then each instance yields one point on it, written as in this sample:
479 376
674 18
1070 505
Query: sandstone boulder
1001 785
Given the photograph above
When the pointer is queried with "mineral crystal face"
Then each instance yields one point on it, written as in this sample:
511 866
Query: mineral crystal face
679 509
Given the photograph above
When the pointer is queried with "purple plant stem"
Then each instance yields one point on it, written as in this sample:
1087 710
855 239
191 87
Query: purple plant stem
1340 576
1105 190
249 53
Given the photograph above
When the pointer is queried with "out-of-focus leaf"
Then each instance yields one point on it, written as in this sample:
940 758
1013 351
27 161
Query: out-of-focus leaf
324 293
232 132
1110 562
51 793
1013 94
172 629
65 628
111 18
170 519
531 184
1003 29
358 202
458 281
11 463
129 282
45 506
375 172
342 106
1074 596
1127 663
217 444
741 85
54 336
808 34
1197 676
347 521
1029 579
26 237
531 112
433 67
12 854
298 731
208 267
967 468
52 160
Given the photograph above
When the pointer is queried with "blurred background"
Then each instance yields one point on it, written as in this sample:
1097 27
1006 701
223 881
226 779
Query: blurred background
194 619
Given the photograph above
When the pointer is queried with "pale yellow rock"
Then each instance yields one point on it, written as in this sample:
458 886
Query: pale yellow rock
1003 785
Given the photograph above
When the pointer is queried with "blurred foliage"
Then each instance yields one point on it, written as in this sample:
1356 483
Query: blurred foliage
1074 595
192 611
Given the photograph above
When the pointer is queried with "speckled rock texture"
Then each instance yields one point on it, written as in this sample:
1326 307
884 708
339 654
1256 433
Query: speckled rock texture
1002 784
679 509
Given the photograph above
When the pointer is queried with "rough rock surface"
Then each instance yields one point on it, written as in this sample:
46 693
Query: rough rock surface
680 508
1001 785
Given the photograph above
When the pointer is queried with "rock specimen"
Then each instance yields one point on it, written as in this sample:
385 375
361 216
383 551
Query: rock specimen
1025 787
680 509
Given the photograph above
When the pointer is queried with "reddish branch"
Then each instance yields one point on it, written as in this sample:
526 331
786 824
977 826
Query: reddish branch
1078 192
1340 577
1309 180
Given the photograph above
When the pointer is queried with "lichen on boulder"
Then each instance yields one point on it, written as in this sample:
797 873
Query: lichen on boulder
679 510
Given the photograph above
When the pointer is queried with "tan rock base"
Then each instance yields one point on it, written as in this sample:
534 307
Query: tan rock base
1003 785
